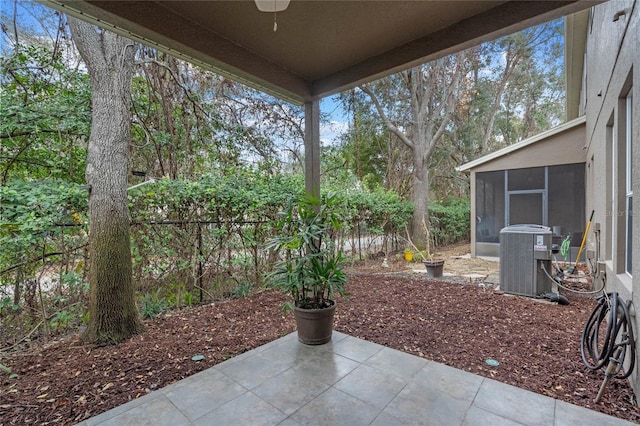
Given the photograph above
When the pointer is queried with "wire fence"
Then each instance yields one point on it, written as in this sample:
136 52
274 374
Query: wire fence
175 263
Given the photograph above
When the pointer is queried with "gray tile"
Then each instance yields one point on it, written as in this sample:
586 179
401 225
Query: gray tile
356 349
198 397
157 412
572 415
338 336
247 409
100 418
286 376
373 386
327 369
296 352
386 419
334 407
479 417
289 339
514 403
255 370
188 380
427 405
396 362
236 359
289 422
456 383
289 391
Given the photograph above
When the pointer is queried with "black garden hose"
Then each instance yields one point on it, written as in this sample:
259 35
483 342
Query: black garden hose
597 351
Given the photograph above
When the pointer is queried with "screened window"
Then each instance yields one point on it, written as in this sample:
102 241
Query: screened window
567 201
552 196
526 179
489 206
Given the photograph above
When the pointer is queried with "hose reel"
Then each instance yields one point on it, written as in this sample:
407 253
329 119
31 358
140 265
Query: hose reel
608 338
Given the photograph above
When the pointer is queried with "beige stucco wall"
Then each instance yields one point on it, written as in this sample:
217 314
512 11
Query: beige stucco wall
613 67
562 148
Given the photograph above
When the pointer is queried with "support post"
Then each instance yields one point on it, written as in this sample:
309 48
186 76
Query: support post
312 147
200 271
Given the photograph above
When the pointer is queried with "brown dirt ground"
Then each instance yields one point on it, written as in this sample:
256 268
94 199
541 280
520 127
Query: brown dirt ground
449 321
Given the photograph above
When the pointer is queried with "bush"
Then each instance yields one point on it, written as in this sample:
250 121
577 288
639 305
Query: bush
450 222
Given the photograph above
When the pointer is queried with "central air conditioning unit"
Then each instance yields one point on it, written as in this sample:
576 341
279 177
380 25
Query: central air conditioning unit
524 251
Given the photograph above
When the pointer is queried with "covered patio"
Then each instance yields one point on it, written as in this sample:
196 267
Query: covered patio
319 49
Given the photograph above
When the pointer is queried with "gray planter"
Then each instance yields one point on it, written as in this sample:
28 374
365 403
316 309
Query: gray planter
434 267
315 326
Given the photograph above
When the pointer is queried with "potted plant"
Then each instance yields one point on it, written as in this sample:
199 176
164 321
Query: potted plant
434 266
310 268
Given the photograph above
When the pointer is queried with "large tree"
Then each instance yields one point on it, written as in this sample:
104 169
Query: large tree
423 101
476 101
109 59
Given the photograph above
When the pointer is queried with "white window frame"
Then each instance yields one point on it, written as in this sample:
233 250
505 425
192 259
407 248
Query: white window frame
613 203
628 262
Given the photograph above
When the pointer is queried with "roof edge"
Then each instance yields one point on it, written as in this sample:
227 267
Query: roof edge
90 13
523 143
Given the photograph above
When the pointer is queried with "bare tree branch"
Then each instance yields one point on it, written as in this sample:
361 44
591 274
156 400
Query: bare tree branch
395 130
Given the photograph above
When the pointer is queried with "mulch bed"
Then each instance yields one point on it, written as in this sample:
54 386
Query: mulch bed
536 344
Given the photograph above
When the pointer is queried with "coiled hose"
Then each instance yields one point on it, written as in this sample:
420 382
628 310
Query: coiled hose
603 351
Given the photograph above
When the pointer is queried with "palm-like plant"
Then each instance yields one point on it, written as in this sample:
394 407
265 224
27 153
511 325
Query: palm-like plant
311 266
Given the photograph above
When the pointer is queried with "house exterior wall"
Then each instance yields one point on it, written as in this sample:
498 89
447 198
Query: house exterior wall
563 148
612 72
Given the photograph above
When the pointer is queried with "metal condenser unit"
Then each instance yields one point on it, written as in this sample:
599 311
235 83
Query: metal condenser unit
524 251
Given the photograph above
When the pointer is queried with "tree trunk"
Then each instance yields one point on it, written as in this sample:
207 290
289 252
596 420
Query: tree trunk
420 220
432 89
112 308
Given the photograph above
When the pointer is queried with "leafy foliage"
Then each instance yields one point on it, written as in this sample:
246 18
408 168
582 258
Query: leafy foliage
311 271
450 221
45 115
35 214
225 159
152 305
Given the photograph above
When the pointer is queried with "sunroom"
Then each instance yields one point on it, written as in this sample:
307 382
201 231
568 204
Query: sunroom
540 180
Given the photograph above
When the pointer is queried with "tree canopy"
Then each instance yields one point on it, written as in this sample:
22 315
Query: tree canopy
205 163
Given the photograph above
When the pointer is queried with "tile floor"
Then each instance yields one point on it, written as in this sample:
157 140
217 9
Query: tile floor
345 382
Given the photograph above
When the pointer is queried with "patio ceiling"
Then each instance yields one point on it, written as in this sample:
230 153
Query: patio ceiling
320 47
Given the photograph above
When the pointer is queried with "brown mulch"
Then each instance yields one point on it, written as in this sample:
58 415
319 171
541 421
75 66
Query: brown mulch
537 345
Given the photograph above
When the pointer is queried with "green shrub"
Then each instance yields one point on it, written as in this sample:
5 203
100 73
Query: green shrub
241 290
152 305
450 222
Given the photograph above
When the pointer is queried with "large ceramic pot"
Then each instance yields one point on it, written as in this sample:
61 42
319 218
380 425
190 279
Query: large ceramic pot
314 325
434 267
